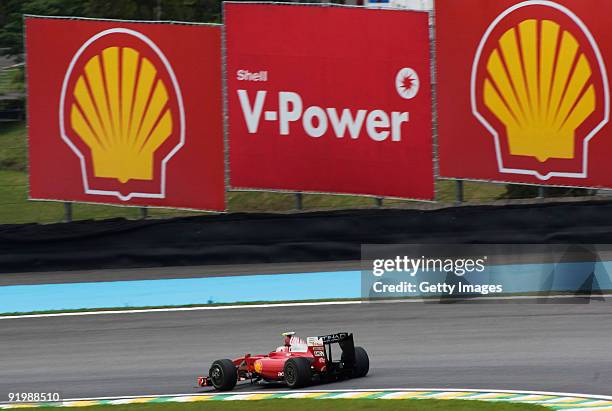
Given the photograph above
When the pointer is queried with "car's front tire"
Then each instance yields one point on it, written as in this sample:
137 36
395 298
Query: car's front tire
297 372
223 375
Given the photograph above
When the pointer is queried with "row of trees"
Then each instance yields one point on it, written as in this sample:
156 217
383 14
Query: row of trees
12 11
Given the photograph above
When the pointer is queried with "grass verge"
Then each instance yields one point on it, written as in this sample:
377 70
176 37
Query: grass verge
317 405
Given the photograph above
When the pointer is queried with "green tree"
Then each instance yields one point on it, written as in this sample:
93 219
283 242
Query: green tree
11 19
12 11
176 10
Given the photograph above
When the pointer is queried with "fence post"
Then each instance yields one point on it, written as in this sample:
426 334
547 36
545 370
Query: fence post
67 212
144 213
158 10
299 201
458 191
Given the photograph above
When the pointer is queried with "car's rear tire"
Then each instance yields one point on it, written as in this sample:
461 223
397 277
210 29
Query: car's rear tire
223 375
297 372
362 363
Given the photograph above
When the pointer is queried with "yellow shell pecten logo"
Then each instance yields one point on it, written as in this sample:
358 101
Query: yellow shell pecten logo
122 113
258 366
539 94
539 85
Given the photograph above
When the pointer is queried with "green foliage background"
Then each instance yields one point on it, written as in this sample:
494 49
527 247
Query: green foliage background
12 11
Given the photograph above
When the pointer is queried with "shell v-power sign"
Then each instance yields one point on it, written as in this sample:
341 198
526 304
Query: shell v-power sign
329 99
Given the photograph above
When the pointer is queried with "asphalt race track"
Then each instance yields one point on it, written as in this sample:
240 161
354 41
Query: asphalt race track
544 347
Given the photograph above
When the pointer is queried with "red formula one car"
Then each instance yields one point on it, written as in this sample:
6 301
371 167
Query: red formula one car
296 363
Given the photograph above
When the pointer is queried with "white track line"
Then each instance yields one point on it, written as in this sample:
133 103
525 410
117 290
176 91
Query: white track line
558 394
157 310
273 305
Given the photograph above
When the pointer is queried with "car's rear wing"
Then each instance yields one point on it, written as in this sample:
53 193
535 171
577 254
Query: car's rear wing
340 338
343 339
336 338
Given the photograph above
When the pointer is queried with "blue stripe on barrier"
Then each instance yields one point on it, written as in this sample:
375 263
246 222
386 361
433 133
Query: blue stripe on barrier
517 278
173 292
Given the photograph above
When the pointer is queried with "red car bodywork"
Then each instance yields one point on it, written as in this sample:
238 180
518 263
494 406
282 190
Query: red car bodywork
270 366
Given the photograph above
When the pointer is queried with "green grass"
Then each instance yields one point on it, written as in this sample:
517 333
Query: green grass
13 147
16 208
317 405
11 80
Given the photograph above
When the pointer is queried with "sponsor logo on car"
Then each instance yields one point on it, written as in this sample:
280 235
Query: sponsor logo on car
258 366
314 342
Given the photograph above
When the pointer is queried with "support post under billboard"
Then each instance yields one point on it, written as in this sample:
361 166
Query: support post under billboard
458 191
158 10
67 212
541 192
144 213
379 202
299 201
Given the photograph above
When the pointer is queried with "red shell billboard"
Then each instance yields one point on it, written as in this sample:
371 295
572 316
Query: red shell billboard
523 91
117 113
329 99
